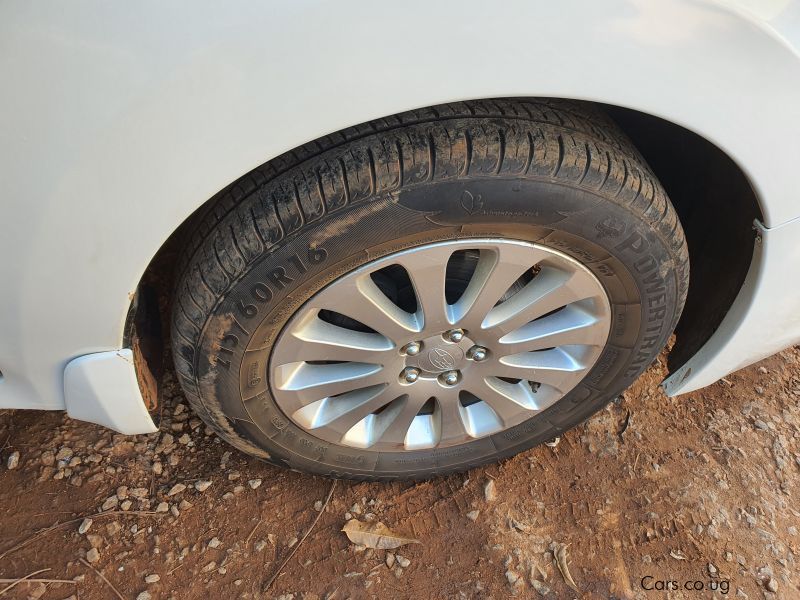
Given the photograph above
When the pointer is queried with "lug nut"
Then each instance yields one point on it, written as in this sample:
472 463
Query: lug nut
477 353
410 375
411 349
454 335
449 378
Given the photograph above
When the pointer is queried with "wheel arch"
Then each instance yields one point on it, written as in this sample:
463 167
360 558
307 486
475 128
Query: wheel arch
711 193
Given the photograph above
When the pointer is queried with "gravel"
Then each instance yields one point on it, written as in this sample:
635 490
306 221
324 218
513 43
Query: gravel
13 460
84 526
93 555
176 489
490 491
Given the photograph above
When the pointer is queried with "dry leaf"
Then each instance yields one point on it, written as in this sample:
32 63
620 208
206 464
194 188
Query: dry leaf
561 561
375 535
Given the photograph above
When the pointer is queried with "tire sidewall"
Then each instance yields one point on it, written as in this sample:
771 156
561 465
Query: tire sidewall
634 265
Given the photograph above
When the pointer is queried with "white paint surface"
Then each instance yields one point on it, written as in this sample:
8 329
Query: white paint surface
118 119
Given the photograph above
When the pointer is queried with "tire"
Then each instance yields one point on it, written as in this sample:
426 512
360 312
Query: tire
555 174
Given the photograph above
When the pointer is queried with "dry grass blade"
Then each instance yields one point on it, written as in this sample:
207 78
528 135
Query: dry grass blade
375 535
103 577
561 562
302 539
20 580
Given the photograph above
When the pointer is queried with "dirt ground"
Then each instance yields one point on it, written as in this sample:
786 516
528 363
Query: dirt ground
692 497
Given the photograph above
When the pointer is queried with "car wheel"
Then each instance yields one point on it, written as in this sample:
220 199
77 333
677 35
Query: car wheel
430 292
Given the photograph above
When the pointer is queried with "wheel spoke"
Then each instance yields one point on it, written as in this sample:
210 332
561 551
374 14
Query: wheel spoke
310 382
549 290
572 325
316 339
556 367
451 418
428 275
397 431
507 400
362 300
339 414
494 274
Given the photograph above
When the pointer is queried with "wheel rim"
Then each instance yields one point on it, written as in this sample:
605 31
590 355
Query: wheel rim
439 345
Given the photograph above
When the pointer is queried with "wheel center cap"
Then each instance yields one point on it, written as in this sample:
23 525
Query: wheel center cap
439 356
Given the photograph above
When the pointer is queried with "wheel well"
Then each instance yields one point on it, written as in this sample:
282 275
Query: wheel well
716 205
711 194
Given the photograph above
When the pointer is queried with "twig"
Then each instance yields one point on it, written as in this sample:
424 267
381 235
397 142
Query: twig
20 580
302 539
29 580
249 537
103 577
46 530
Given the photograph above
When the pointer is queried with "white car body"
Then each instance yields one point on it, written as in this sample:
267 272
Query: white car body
118 120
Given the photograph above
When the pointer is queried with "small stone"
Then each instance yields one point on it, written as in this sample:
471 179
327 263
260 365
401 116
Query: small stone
291 542
254 483
473 515
158 468
84 526
13 460
144 596
389 560
759 424
712 570
214 542
318 505
64 453
93 555
174 510
138 493
184 439
185 505
162 507
176 489
259 545
126 505
122 492
355 509
402 561
237 582
209 567
202 485
238 489
48 458
771 585
490 491
113 528
540 587
154 578
95 540
234 475
227 495
111 502
512 577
